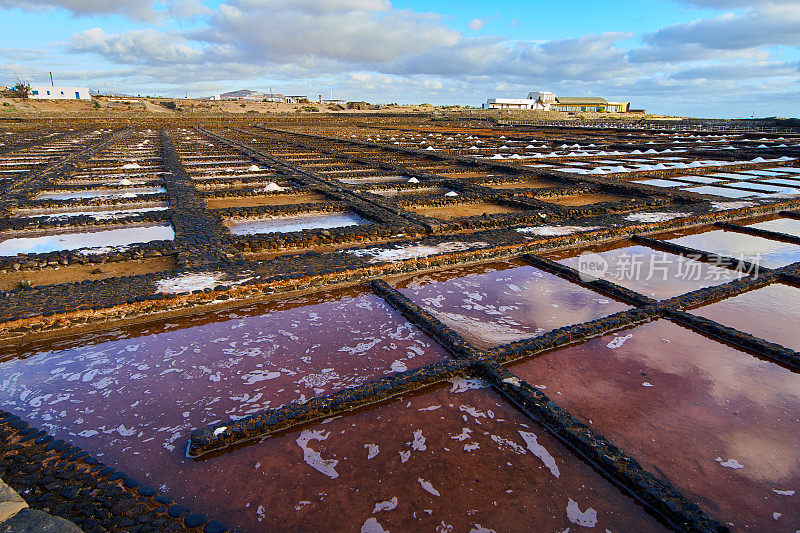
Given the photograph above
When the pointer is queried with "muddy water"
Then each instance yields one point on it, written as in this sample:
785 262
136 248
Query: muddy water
13 245
503 302
523 184
656 274
772 313
583 199
766 252
294 223
446 212
455 455
719 424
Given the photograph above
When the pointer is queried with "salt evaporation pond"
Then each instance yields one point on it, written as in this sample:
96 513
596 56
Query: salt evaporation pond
294 223
97 215
771 313
789 226
724 191
502 302
765 252
656 274
720 424
100 193
90 239
132 396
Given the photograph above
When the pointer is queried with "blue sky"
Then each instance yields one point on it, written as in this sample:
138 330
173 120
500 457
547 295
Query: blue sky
711 58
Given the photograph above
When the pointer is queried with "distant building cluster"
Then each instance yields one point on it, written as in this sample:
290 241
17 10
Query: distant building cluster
247 95
547 101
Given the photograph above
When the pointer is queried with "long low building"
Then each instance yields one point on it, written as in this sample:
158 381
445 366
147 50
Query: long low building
46 92
547 101
513 103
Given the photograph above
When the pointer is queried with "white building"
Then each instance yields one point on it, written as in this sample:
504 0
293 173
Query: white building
45 92
548 101
535 100
515 103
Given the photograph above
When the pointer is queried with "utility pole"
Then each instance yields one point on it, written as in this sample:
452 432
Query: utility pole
51 80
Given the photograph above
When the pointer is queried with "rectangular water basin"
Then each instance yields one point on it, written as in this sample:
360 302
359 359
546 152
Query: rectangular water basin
661 183
698 179
100 193
294 223
522 184
131 397
650 272
766 252
772 313
445 212
719 424
788 181
583 199
101 240
373 179
105 214
270 199
789 226
724 191
498 303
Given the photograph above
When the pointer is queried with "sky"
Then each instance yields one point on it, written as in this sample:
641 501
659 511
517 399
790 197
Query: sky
703 58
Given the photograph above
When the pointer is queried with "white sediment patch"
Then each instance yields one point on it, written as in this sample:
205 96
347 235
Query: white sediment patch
426 485
480 529
725 206
655 217
616 342
190 282
490 332
385 506
502 443
418 444
465 384
555 231
541 452
372 526
398 366
586 518
312 457
372 450
414 251
730 463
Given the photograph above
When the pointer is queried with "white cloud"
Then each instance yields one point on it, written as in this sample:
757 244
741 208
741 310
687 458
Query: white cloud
134 9
372 50
476 24
764 24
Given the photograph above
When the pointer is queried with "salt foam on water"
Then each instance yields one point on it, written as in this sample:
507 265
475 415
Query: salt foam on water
586 518
312 457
